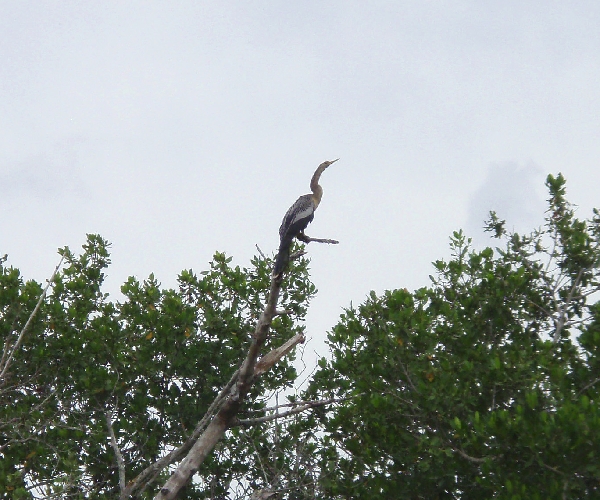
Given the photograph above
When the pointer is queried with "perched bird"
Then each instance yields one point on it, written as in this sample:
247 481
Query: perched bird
298 217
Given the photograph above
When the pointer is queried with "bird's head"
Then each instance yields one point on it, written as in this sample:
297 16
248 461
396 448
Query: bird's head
325 164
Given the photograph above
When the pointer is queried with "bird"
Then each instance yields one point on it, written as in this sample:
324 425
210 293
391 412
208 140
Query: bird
299 215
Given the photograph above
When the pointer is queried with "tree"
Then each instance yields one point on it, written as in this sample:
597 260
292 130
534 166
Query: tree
485 384
100 391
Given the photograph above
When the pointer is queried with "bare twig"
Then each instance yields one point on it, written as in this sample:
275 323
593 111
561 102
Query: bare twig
294 404
408 377
260 251
553 469
545 311
29 320
560 322
298 254
307 239
260 462
118 454
305 405
591 384
475 460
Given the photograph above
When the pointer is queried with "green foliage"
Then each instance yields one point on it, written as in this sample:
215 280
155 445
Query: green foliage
484 385
150 364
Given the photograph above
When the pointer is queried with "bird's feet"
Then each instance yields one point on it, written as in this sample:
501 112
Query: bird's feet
303 237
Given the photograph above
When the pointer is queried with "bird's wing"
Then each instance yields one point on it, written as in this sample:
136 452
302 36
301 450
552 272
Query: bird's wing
303 208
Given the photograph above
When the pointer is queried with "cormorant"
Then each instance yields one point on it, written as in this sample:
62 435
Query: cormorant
298 217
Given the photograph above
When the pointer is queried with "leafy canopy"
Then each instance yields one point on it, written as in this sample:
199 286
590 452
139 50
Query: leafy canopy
485 384
145 368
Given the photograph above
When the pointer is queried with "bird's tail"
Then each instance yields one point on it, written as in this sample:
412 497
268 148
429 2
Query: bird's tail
283 257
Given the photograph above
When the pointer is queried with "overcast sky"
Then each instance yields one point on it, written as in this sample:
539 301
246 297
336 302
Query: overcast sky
175 129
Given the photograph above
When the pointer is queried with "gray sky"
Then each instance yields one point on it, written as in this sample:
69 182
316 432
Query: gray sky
176 129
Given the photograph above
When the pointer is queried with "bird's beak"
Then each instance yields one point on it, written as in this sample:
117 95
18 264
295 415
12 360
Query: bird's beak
332 161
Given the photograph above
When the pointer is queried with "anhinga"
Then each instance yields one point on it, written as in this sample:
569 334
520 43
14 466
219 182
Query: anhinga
298 217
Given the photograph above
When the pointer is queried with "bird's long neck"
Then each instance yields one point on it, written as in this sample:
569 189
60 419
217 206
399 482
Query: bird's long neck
314 184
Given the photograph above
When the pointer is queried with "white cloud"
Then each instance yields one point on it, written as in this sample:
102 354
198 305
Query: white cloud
52 175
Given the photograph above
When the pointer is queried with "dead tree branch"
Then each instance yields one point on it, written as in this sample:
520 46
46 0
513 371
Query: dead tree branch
591 384
115 446
560 322
268 360
227 412
307 239
260 252
302 407
147 476
475 460
297 255
294 404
